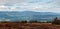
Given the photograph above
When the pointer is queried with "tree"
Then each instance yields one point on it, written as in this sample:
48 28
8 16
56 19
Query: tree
24 21
56 21
34 21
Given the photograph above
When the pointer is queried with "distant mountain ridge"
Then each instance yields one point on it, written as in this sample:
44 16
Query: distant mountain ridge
27 15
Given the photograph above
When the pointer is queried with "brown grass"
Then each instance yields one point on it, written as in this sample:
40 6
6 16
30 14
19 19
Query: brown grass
14 25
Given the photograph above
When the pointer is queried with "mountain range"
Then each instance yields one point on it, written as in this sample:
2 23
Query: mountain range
27 15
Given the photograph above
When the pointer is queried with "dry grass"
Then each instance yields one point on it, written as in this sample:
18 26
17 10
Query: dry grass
11 25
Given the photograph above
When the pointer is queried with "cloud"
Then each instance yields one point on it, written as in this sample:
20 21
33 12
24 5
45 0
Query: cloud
30 5
2 6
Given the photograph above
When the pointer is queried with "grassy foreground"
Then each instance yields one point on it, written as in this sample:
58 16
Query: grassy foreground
14 25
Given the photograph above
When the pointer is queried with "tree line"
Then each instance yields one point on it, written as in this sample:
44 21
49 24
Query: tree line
55 21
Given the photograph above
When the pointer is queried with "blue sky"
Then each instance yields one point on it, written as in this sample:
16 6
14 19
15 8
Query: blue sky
30 5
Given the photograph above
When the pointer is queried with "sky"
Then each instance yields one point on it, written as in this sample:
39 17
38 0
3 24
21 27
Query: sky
30 5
